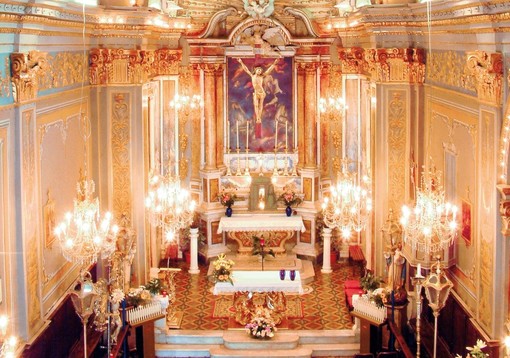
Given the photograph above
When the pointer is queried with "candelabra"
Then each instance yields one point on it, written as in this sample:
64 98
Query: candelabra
350 204
168 205
432 224
186 105
331 106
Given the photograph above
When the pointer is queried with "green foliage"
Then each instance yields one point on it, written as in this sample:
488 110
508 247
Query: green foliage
370 282
184 238
154 286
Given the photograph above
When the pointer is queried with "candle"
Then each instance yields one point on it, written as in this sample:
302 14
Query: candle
247 132
237 133
418 271
228 135
262 241
286 134
275 134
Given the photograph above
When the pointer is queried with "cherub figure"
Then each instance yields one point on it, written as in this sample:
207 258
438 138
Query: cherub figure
259 9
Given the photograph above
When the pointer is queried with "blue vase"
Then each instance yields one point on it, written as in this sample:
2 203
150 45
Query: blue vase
288 211
228 212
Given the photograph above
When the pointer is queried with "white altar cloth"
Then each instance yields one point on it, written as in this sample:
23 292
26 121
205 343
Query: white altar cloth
261 222
259 281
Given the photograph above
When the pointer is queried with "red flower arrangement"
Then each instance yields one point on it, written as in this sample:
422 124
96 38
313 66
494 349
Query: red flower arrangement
227 198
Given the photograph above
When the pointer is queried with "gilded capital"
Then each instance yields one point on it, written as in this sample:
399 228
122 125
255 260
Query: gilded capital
114 66
504 208
487 69
26 69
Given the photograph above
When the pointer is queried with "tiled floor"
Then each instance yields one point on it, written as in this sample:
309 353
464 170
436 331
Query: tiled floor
323 308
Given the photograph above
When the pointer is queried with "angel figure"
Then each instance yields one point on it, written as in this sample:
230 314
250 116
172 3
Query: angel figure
257 80
259 9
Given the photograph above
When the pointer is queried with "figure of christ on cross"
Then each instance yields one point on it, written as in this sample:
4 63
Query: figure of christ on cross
257 80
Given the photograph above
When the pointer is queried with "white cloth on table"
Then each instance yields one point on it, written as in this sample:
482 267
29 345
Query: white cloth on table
272 222
260 281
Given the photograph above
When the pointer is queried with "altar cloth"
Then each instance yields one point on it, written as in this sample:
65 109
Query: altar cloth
272 222
260 281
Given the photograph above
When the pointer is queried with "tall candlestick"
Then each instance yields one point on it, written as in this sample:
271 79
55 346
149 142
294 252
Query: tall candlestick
418 271
228 135
237 133
275 134
247 132
286 134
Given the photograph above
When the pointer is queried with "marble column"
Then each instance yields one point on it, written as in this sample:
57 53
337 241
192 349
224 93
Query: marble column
300 109
219 115
324 123
196 123
310 112
326 257
210 105
193 238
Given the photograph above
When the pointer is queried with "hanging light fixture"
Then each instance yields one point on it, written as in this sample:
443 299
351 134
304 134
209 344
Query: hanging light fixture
83 234
330 107
432 224
350 204
168 205
185 104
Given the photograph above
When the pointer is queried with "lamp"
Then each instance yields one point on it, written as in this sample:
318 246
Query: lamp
432 224
350 204
83 298
437 289
83 235
168 205
331 106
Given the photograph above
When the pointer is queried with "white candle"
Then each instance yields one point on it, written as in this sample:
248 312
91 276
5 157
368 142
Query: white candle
237 133
247 132
286 134
418 271
228 135
275 134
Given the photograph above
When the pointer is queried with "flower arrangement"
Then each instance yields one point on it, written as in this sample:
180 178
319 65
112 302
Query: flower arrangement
227 197
223 269
138 296
262 325
289 197
154 286
476 350
117 296
370 282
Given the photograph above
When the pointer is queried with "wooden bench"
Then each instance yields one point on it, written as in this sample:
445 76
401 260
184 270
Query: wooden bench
357 258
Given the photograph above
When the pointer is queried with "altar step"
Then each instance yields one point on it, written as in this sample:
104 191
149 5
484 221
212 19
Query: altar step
237 344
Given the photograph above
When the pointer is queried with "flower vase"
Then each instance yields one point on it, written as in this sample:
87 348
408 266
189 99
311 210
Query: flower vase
288 210
228 212
282 275
292 275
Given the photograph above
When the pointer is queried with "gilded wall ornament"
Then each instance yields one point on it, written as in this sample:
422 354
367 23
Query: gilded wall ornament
26 68
487 70
121 154
397 129
111 66
449 69
64 69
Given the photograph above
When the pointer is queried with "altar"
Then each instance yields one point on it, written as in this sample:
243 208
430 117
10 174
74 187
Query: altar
260 281
276 229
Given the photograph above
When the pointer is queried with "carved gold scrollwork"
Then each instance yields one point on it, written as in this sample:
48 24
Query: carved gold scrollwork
109 66
25 69
504 208
352 59
487 69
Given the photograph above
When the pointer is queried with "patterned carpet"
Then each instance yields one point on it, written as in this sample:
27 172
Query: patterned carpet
323 307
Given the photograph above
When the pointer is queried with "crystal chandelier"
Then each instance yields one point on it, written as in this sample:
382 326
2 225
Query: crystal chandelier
350 204
185 104
83 234
168 205
432 224
331 106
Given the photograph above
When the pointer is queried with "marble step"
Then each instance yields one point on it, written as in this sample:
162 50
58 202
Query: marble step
192 337
184 350
240 340
333 350
223 352
328 337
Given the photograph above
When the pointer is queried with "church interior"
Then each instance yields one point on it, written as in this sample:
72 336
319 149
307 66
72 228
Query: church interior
288 178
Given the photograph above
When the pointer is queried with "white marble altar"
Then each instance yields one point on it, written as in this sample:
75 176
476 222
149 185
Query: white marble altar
260 281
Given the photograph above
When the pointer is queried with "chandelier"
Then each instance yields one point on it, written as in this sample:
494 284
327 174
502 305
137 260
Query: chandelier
432 224
350 203
83 234
185 104
168 205
331 106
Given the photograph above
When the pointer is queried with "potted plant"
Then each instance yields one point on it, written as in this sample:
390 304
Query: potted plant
370 282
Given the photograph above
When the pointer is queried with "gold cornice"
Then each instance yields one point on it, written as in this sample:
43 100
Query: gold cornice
487 70
25 69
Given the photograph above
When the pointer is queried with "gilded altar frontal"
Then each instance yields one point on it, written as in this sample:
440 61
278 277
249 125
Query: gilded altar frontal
208 178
